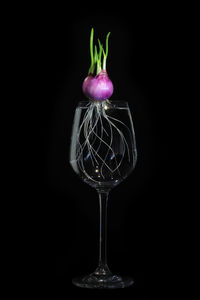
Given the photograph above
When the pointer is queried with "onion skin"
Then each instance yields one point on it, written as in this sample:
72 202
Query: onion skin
86 82
98 88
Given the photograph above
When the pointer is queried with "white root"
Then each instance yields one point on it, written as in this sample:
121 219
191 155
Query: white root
92 137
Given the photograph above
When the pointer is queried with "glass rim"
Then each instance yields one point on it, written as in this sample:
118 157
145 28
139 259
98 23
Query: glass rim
119 103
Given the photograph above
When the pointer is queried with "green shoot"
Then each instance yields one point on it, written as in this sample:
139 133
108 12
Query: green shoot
91 51
99 57
105 53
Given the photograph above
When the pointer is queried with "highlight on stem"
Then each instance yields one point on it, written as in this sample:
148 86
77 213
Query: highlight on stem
97 86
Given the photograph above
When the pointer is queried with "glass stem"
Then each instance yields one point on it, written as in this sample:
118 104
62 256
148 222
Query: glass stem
102 268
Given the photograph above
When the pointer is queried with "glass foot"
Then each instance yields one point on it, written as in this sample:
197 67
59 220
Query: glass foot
110 281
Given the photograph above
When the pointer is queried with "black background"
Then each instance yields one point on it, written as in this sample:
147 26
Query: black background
141 54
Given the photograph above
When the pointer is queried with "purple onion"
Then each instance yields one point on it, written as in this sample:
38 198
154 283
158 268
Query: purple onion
98 88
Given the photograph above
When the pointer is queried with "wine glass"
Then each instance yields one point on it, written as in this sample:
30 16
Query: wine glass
103 153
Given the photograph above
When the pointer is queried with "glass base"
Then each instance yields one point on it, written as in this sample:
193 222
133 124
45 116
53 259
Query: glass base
110 281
